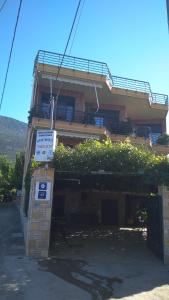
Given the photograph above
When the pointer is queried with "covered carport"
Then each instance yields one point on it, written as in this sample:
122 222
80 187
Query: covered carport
108 207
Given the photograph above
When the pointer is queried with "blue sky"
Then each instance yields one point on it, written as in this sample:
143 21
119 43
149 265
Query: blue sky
131 36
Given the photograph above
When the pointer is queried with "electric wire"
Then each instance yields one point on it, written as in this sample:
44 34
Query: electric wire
68 40
66 47
10 54
77 24
73 39
2 6
96 93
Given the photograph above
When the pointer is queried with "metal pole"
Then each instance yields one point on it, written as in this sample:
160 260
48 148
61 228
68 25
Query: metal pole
52 104
52 112
97 99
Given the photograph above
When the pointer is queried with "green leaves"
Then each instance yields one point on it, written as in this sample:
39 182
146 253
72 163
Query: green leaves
18 170
163 139
6 169
120 157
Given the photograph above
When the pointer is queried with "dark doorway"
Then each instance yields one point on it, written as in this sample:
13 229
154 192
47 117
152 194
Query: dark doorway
57 220
155 226
109 209
58 206
136 206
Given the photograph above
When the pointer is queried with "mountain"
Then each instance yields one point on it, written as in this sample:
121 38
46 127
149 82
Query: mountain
12 136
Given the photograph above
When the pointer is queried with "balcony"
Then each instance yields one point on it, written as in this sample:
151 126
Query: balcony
98 68
94 125
80 117
92 122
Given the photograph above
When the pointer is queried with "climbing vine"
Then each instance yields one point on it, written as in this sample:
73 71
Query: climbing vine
121 158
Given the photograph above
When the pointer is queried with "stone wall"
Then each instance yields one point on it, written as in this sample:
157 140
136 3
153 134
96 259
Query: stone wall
39 214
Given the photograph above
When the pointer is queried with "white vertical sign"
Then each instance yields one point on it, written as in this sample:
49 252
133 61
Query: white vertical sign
45 145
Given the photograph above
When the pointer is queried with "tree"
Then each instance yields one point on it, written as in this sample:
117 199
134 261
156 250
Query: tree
5 176
18 170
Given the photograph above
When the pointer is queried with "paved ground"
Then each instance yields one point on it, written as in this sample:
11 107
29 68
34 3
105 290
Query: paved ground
22 278
102 264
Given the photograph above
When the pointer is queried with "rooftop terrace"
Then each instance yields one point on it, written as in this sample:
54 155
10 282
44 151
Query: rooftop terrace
100 68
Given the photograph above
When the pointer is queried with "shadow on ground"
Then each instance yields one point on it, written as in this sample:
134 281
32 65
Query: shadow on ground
102 263
108 263
98 286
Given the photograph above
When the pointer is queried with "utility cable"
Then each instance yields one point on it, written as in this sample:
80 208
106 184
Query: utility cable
61 85
10 54
2 6
77 24
68 40
67 44
96 94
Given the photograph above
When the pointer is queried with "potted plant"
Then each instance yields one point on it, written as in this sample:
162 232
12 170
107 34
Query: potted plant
163 139
126 127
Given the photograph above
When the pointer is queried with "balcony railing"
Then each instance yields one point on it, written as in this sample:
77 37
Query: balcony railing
99 68
97 119
131 84
160 98
71 62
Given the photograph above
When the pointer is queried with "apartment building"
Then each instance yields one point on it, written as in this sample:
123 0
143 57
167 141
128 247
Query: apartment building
90 103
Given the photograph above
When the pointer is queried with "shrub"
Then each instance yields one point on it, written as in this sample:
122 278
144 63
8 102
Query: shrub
123 158
163 139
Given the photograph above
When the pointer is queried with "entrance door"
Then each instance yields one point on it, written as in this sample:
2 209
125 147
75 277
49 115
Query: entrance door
155 226
109 212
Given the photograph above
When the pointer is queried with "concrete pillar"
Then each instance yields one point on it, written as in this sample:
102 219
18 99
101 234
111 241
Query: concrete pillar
39 214
164 193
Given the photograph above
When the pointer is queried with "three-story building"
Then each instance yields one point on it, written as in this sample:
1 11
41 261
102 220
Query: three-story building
89 103
92 103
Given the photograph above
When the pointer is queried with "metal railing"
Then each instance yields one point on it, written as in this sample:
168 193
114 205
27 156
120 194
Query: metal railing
99 68
91 118
160 98
88 118
72 62
131 84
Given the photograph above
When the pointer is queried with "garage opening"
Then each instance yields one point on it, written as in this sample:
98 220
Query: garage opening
91 212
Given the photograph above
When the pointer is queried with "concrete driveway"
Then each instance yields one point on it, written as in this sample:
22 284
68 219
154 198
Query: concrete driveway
22 278
100 264
110 264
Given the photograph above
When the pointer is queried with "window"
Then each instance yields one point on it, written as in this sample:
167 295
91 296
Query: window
107 118
65 108
45 105
99 121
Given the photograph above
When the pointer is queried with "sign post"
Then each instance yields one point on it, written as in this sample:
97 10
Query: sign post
45 145
43 190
